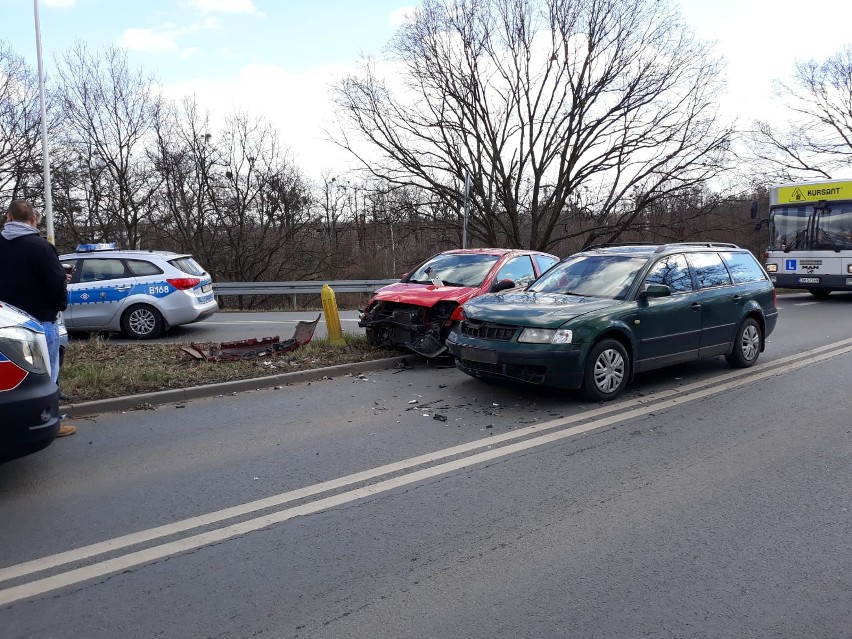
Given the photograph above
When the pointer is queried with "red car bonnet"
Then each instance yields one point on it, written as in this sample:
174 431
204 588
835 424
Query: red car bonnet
424 294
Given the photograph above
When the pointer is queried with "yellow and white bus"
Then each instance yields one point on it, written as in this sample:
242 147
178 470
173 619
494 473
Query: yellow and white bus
810 236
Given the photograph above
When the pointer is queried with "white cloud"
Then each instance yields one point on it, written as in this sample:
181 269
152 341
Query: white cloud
148 40
163 39
225 6
59 4
400 16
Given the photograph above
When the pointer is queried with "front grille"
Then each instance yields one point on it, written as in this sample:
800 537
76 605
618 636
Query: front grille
530 374
487 330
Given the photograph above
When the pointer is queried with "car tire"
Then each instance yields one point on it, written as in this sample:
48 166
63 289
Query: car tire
607 371
142 321
819 293
746 345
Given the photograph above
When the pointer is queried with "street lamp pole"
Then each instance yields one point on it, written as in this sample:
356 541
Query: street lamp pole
48 199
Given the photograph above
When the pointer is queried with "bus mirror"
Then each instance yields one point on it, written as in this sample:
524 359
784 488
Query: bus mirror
753 210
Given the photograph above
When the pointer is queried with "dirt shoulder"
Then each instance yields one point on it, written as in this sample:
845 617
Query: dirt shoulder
96 369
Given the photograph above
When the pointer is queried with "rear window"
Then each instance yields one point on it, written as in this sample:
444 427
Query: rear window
743 267
187 265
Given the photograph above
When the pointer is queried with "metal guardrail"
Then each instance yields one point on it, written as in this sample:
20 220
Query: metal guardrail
299 287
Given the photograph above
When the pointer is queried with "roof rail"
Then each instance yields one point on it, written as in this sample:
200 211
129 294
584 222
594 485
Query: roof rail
697 244
615 244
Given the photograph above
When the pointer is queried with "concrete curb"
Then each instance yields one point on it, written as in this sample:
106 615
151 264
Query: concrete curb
211 390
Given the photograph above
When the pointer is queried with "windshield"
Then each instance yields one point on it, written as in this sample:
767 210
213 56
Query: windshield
607 276
455 269
799 228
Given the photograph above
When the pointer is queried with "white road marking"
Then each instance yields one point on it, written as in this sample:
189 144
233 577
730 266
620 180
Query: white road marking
686 394
805 303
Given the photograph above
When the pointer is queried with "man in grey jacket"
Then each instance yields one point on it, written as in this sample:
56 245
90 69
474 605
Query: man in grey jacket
33 278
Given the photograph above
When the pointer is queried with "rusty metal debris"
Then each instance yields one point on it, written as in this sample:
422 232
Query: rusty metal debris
251 348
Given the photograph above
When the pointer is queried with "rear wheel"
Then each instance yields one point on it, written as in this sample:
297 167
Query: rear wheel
746 345
819 293
142 322
606 371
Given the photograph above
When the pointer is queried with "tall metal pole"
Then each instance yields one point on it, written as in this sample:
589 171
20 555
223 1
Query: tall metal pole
466 208
45 152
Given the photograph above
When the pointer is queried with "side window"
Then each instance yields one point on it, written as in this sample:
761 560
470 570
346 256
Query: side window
97 270
519 270
544 262
673 271
75 274
710 271
141 267
743 267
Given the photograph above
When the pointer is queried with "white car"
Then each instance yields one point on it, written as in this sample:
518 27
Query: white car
139 293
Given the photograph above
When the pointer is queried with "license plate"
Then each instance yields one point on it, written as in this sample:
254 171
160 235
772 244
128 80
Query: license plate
206 288
808 280
483 355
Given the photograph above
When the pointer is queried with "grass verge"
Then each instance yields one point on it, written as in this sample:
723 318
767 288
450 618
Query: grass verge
96 369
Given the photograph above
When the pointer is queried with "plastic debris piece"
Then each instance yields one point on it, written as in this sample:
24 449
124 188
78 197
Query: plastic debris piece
250 348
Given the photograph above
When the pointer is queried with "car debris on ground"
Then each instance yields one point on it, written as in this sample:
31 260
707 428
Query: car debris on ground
252 348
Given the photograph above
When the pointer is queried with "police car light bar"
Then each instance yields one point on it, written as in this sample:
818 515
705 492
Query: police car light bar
90 248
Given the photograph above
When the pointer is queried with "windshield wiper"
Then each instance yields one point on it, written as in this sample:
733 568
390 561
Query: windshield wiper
827 236
800 235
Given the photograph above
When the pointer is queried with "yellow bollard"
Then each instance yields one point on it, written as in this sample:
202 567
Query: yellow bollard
332 317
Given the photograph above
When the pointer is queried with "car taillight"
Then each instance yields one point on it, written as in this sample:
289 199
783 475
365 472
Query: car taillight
183 283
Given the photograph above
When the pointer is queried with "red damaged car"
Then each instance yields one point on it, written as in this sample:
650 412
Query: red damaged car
419 311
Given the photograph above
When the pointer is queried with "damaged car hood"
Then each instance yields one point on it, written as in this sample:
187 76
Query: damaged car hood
424 294
527 308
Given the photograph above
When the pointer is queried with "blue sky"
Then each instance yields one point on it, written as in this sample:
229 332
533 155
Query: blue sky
277 57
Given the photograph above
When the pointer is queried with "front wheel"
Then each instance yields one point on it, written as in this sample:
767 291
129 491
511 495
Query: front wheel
606 371
746 345
142 322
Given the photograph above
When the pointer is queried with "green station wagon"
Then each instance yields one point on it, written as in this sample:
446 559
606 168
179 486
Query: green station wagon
600 316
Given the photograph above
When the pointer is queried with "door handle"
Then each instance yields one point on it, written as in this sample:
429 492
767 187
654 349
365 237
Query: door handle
123 287
738 298
695 306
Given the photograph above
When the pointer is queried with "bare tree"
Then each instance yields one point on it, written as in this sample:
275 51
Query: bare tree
262 203
552 106
189 162
20 122
108 115
817 142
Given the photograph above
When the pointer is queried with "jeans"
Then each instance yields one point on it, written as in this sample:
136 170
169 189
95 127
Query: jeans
51 332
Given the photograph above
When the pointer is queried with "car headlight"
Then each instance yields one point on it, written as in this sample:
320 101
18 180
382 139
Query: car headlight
771 268
25 348
546 336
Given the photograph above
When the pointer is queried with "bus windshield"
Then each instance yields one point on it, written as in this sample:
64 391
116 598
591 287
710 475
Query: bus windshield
801 227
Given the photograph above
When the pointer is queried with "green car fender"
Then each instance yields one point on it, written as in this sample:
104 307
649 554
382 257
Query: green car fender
588 331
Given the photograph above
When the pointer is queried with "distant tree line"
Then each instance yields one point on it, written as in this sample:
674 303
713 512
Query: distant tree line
575 122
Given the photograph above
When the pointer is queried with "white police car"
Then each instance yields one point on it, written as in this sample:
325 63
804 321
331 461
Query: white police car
29 400
140 293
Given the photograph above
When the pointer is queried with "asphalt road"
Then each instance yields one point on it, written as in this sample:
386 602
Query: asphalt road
707 503
230 326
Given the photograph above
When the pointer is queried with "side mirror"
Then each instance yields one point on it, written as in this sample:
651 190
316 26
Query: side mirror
656 290
753 210
502 285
